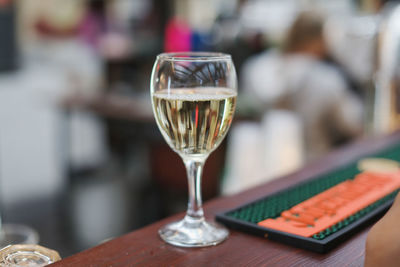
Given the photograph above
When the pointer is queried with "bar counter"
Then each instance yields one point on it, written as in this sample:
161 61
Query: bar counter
144 248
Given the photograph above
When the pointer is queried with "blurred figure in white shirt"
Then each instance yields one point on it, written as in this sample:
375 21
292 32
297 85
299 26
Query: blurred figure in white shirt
297 79
307 106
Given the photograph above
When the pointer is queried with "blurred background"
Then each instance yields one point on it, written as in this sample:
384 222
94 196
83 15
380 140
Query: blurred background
81 159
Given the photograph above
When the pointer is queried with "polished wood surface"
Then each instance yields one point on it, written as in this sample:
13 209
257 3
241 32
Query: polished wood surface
144 248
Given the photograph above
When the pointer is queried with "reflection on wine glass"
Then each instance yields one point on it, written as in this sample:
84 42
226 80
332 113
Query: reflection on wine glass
194 98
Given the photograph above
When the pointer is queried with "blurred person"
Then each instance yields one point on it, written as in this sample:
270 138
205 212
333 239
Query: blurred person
177 36
306 104
54 62
297 78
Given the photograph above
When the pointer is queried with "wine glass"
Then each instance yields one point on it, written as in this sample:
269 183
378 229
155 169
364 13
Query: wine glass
27 255
194 97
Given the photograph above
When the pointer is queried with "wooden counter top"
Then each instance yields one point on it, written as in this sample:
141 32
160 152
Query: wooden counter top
144 248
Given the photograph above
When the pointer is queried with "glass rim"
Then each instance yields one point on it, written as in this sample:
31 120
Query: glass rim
10 252
194 56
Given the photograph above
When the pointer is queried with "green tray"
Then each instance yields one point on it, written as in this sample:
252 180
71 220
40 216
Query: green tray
246 217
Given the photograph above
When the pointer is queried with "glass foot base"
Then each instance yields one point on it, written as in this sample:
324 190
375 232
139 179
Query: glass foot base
17 234
192 233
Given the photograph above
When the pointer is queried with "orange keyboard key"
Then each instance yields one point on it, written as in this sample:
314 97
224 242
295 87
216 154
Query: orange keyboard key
335 204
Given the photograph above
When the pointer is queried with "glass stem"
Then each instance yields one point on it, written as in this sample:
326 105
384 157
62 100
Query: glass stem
194 170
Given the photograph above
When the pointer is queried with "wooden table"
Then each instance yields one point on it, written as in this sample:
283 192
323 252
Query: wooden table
144 248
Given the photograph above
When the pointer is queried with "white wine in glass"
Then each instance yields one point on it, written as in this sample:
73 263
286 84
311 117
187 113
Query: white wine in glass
194 99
